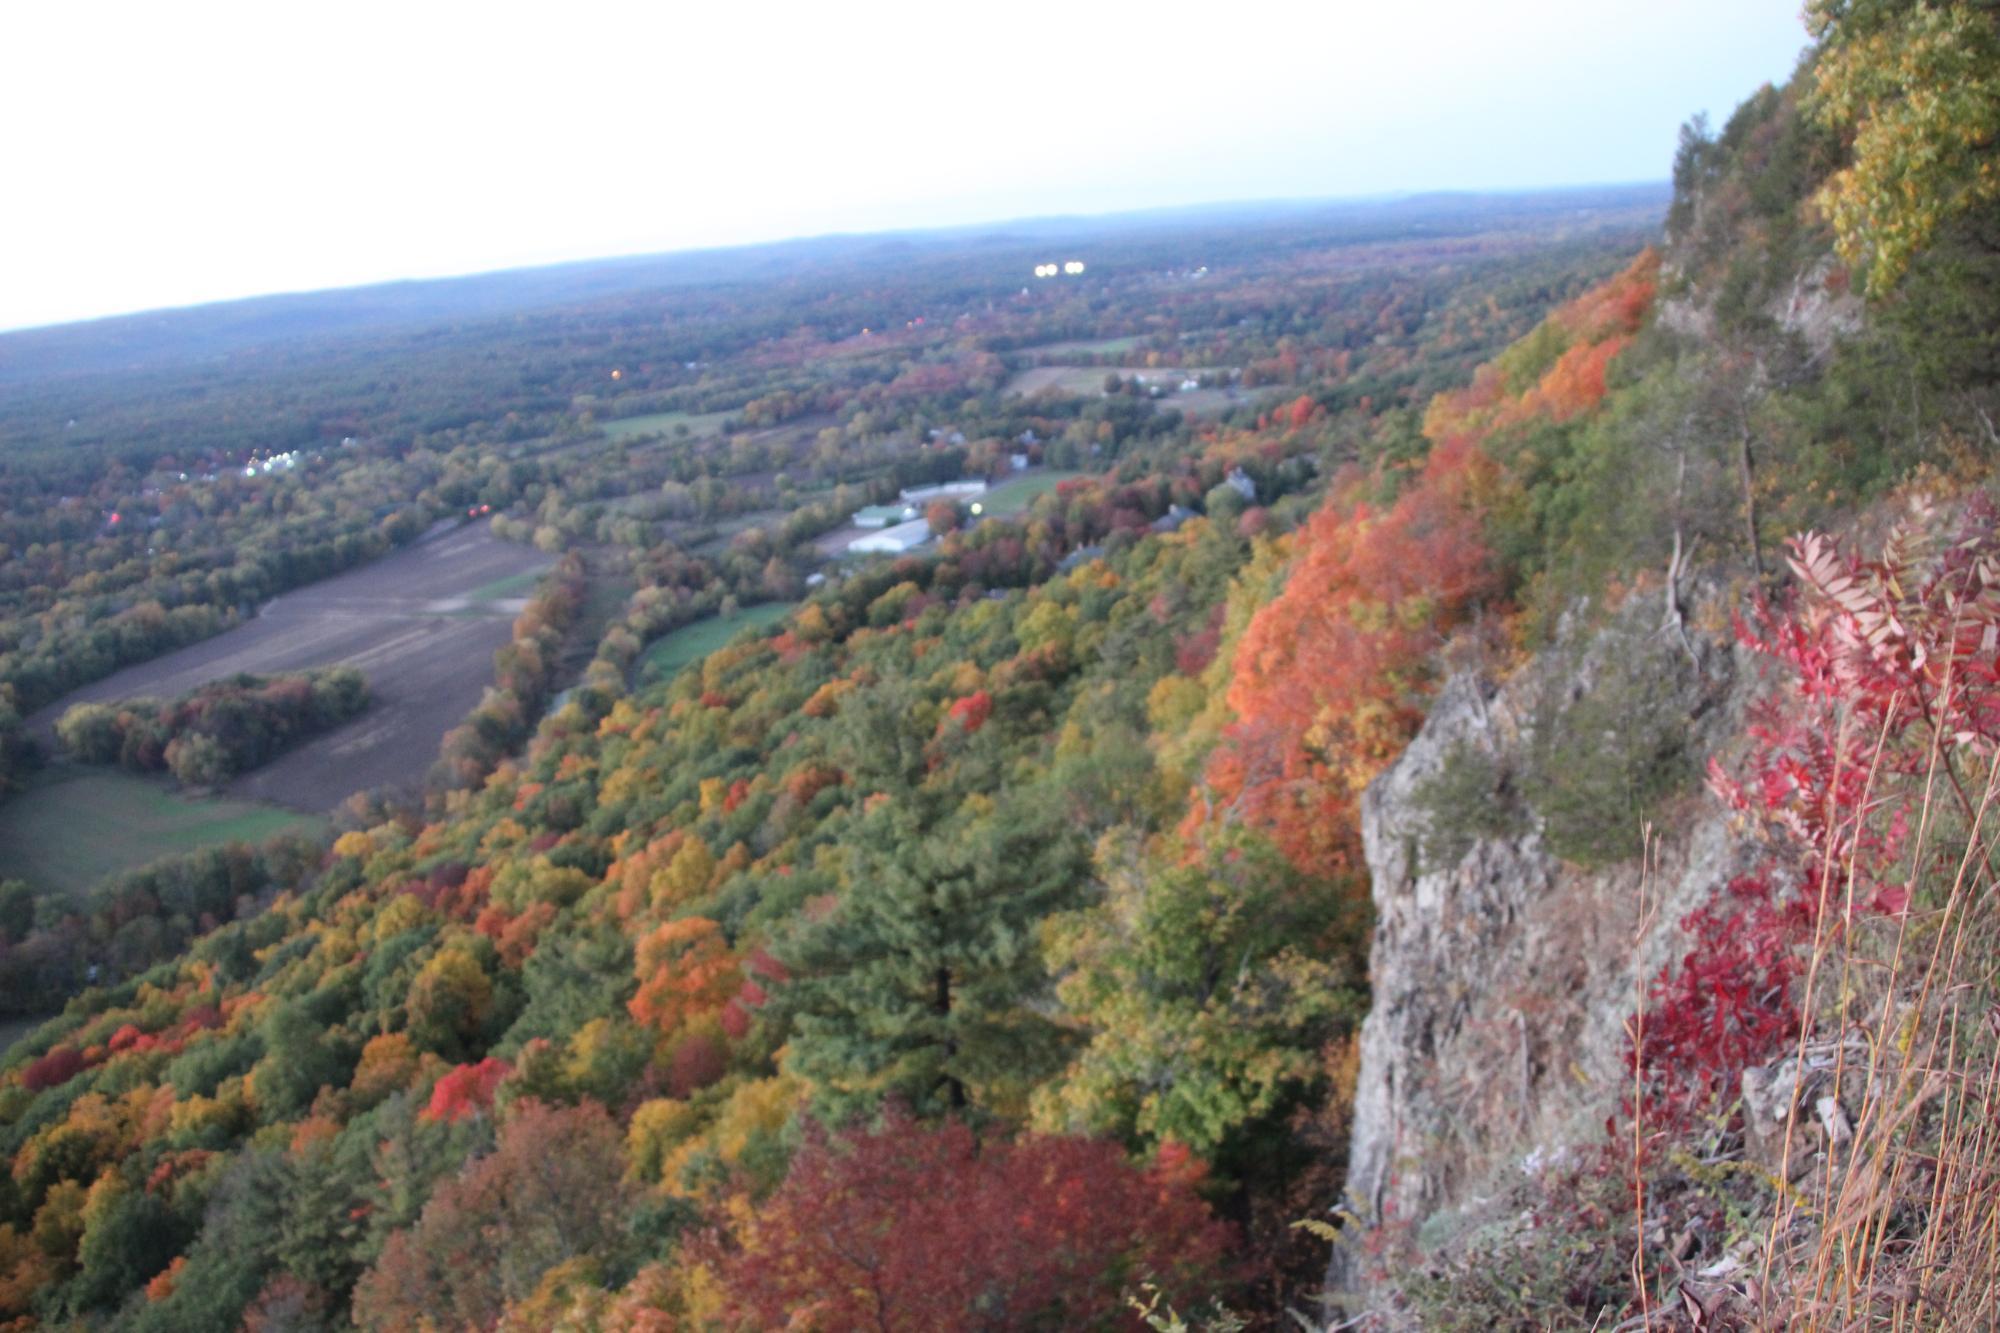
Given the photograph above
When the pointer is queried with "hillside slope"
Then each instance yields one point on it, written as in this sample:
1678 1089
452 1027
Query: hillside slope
989 941
1590 1054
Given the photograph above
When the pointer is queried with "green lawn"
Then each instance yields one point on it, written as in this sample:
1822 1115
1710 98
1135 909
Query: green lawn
699 424
1011 497
691 643
73 827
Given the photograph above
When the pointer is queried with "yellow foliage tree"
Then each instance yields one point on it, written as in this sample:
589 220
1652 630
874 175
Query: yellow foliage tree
448 1000
1917 85
685 876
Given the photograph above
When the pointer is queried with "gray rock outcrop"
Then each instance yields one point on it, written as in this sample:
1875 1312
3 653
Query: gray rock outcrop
1503 976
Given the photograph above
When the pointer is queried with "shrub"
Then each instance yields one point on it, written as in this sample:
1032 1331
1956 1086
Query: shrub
1604 757
1470 797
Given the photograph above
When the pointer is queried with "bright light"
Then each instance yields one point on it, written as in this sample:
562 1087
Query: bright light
1046 270
977 509
617 374
1073 267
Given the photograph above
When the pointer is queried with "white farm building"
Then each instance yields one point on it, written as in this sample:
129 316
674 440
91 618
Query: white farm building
893 541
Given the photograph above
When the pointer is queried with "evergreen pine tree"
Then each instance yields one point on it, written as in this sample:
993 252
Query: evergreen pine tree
921 983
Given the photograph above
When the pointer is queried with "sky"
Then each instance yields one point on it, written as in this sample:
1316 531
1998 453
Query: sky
169 154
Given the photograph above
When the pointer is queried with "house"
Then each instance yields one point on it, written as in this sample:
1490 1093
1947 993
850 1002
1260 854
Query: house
1172 519
892 541
1018 462
1239 481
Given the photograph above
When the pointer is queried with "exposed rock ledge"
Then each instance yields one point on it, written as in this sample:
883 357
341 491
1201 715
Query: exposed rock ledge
1503 977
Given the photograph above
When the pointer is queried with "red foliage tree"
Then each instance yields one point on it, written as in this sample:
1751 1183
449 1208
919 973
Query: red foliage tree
916 1228
287 1303
972 711
58 1067
699 1061
467 1090
552 1190
1727 1005
941 515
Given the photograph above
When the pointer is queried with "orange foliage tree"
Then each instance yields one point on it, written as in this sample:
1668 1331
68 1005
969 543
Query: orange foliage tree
686 971
1328 677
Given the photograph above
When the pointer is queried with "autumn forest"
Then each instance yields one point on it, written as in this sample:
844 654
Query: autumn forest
893 756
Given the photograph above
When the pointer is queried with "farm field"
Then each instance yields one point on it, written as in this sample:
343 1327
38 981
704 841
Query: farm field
1085 346
75 826
514 588
691 643
1207 402
421 624
728 529
1088 381
1011 497
700 424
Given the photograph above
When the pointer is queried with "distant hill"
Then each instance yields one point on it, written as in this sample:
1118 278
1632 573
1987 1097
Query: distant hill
162 339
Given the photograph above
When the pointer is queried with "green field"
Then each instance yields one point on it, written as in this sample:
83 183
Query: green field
73 827
1011 497
699 424
691 643
1095 348
13 1029
514 585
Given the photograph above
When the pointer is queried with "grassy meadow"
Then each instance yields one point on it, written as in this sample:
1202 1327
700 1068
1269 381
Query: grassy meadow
690 643
73 827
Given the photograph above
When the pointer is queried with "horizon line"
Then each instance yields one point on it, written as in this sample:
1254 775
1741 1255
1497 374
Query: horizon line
807 238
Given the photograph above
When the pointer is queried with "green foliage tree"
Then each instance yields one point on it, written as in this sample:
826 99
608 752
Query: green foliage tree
1207 989
129 1239
17 909
298 1061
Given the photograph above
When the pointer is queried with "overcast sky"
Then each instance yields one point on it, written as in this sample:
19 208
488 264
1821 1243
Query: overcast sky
169 153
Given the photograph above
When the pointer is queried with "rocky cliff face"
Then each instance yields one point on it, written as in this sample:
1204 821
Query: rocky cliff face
1503 975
